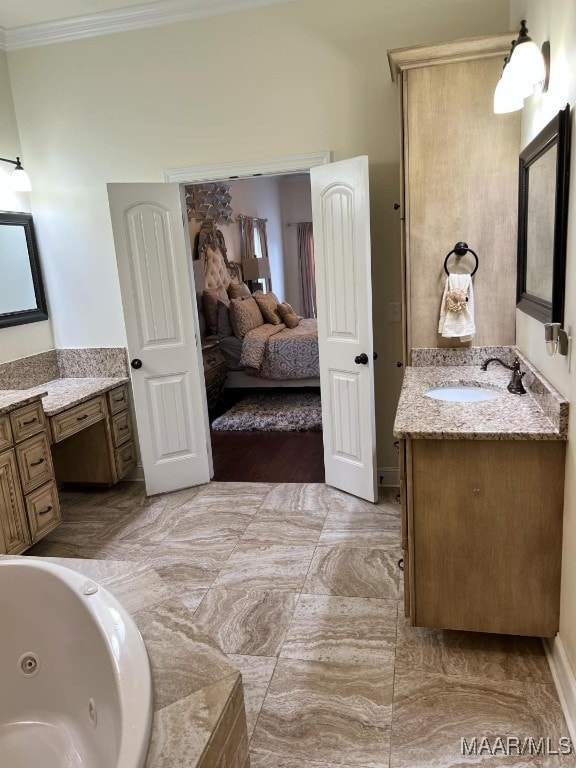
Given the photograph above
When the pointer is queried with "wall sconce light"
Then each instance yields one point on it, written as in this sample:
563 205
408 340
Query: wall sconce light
557 340
19 179
526 68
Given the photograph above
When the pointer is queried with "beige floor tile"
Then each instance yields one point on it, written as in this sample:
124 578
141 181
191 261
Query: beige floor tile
433 713
266 568
471 654
247 621
188 566
116 550
354 572
202 524
355 522
268 760
104 525
256 675
313 498
350 630
269 528
330 713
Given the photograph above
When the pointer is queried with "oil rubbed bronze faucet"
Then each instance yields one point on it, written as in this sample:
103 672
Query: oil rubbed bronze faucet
515 386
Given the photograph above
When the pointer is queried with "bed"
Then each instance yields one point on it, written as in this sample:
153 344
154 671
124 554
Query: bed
268 355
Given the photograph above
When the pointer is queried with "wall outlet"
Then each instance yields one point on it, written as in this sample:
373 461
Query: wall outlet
394 312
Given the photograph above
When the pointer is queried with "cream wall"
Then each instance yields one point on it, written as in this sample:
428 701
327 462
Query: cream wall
27 339
555 20
307 76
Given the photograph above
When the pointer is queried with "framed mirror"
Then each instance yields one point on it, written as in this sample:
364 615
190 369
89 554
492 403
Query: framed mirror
22 298
543 221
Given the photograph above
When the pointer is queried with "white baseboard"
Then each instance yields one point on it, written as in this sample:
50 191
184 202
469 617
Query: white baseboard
564 680
388 476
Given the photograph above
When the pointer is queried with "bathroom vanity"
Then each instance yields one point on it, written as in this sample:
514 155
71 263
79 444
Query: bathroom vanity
64 427
482 487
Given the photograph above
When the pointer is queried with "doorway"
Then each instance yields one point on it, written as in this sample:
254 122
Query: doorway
265 416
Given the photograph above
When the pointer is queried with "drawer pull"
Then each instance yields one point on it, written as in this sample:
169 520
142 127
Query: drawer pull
45 511
123 429
37 463
30 421
81 418
119 399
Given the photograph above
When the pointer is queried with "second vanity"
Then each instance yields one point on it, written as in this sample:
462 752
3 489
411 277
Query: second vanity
482 489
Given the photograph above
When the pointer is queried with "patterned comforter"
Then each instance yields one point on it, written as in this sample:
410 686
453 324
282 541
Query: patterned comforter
276 352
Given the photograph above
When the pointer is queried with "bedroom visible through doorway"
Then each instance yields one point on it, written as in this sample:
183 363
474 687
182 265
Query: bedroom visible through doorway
253 260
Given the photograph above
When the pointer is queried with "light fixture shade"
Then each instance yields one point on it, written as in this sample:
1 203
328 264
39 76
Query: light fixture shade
507 97
20 180
256 269
527 61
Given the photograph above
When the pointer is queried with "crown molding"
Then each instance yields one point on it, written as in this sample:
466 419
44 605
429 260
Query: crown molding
152 14
245 170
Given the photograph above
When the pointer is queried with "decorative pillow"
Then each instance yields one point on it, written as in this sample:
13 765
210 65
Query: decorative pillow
238 290
289 317
244 316
210 299
268 304
224 324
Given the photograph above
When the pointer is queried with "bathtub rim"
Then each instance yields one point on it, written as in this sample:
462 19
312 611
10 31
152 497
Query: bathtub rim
131 670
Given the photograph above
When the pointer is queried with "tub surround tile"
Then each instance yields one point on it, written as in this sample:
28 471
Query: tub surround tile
249 621
256 673
98 570
470 654
182 730
137 588
267 760
350 630
507 417
273 567
432 713
354 572
326 712
93 361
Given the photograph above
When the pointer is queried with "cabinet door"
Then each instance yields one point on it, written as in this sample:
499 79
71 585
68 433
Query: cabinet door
14 534
486 535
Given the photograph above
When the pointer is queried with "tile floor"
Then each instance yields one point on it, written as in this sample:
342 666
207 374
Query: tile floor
299 584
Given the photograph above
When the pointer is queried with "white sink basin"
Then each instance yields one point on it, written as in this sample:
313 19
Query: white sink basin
463 393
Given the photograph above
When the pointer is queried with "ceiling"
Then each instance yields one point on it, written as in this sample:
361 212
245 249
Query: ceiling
16 13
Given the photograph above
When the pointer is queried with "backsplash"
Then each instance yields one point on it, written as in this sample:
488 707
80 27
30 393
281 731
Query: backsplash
35 370
459 356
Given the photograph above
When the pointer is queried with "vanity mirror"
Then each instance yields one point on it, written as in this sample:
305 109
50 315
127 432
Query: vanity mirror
22 297
543 220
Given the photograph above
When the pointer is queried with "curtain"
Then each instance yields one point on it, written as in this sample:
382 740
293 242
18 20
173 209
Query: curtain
307 269
260 227
246 237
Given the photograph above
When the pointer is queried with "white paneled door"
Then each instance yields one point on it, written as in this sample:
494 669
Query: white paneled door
153 257
340 207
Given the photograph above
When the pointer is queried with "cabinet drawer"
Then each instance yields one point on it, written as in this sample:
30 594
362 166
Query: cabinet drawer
118 399
74 419
125 459
5 433
27 421
34 462
43 510
121 428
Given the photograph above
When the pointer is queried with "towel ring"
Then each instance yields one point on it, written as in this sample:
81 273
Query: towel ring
460 249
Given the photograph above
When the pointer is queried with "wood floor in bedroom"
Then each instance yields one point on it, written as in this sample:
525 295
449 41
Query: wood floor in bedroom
268 457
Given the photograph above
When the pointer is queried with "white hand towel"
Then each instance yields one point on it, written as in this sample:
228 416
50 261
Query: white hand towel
457 310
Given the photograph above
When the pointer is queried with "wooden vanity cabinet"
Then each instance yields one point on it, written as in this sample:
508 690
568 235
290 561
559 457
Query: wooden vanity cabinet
484 534
29 507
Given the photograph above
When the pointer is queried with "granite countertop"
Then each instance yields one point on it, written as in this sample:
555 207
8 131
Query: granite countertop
198 697
540 414
59 394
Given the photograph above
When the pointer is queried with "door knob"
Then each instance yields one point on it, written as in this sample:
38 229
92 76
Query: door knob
136 363
361 359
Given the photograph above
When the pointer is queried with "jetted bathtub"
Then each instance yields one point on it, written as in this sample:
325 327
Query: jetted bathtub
75 687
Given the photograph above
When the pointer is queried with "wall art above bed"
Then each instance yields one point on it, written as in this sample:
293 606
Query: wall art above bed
209 201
